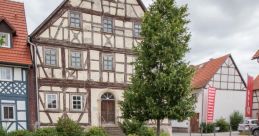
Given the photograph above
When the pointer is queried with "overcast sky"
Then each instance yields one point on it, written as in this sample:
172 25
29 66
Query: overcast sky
218 27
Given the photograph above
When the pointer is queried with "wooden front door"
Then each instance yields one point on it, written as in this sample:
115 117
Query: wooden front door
108 112
195 123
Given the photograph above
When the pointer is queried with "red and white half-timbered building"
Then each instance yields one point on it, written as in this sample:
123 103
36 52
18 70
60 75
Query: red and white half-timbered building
222 74
84 59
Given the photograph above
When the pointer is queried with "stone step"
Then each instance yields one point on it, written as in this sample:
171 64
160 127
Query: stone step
114 131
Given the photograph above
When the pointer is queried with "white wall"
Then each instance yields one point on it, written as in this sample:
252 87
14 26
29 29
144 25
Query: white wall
229 101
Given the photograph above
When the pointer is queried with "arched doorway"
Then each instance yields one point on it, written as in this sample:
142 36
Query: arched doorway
108 108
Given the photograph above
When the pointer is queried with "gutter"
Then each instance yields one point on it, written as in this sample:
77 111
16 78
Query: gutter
36 80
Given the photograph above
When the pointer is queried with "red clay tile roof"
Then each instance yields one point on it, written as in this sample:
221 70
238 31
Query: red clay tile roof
256 83
205 71
14 14
256 56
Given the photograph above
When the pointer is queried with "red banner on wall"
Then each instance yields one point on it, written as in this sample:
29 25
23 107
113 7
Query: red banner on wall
249 96
211 104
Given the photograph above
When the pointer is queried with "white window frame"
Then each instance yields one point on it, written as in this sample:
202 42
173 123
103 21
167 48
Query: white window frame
107 25
8 38
103 59
51 55
70 59
47 103
74 23
11 74
72 105
14 111
136 29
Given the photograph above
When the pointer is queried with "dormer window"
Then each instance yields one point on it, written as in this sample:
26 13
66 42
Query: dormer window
5 40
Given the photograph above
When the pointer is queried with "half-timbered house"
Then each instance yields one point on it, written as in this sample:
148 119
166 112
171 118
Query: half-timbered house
15 63
221 73
84 59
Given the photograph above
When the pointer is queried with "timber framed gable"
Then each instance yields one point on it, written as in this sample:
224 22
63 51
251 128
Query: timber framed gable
83 32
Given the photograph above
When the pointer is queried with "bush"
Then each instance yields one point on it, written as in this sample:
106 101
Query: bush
136 128
67 127
96 131
46 132
163 133
20 133
2 132
235 119
223 125
207 128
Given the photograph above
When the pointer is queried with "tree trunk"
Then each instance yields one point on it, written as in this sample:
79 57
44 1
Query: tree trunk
158 127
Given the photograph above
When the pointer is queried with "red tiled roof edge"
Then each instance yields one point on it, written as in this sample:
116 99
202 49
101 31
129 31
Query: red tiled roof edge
256 56
19 53
205 71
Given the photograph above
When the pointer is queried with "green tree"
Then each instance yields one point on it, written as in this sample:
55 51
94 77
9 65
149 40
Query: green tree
161 87
1 41
235 119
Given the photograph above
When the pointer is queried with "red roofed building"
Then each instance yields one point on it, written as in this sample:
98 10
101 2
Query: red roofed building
15 66
221 73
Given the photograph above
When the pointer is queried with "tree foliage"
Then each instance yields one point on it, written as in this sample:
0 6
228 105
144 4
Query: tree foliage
161 84
1 41
235 119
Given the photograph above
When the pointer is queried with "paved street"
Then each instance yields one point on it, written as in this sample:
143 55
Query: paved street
198 134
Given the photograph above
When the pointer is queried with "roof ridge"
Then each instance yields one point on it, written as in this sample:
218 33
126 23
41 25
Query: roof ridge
203 74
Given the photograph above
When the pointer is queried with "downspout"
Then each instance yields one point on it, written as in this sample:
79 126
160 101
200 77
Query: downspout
36 81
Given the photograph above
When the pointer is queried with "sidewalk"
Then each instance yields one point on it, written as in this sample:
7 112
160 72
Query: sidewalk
211 134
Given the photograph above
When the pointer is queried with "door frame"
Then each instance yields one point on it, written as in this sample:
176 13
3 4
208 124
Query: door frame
107 96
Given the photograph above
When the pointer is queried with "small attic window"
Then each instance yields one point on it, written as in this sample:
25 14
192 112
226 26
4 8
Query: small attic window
5 40
75 19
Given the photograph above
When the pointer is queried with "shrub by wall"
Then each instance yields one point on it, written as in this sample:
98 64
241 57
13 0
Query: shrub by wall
67 127
46 132
20 133
235 119
223 125
207 128
96 131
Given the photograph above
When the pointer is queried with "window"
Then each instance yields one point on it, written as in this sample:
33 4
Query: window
6 74
107 25
75 59
137 30
8 112
51 57
77 102
75 20
51 101
108 62
6 40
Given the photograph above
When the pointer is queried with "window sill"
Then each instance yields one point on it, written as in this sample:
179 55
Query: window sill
76 68
52 110
75 28
108 70
49 66
5 47
76 111
7 120
108 32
